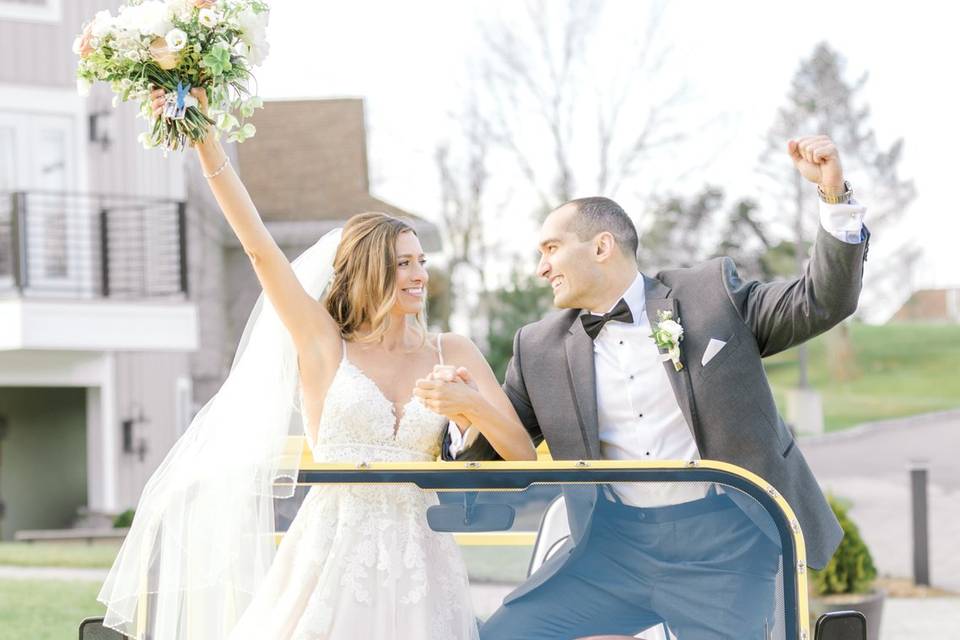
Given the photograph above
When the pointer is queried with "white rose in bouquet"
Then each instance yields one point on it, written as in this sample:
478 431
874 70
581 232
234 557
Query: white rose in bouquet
102 23
152 18
181 9
208 18
253 33
176 39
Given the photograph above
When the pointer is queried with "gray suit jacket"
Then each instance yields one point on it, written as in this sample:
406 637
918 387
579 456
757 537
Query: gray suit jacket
728 404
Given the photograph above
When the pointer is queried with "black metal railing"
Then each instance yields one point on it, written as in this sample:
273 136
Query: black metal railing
77 245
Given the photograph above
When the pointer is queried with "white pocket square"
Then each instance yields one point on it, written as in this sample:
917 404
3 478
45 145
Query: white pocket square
713 348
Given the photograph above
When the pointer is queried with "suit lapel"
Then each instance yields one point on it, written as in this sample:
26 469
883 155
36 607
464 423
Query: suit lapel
583 380
657 299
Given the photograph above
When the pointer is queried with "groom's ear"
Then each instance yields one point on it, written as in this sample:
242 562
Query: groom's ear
604 244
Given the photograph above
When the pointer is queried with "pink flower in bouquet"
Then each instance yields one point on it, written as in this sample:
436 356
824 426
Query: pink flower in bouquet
165 57
204 4
83 45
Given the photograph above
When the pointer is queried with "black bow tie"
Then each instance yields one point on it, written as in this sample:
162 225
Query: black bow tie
592 324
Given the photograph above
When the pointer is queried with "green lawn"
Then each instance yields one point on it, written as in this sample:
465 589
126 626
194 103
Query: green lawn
45 609
486 564
902 370
497 564
77 556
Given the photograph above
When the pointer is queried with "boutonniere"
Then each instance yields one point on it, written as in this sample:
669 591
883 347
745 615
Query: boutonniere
668 333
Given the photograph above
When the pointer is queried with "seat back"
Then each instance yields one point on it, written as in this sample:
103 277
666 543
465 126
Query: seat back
93 629
553 532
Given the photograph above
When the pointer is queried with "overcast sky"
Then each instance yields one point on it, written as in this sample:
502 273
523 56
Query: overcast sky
406 59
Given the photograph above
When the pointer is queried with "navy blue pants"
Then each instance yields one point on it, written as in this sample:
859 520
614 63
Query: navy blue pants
704 568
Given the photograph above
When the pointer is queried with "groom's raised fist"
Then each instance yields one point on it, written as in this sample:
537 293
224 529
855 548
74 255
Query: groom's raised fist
818 160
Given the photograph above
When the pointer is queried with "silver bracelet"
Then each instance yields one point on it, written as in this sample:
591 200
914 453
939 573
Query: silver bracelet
226 161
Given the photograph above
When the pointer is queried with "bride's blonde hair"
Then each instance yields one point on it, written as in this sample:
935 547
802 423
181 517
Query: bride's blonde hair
364 285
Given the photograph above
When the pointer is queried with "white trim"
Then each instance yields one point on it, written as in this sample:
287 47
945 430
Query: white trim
84 325
183 403
109 435
33 99
52 11
51 369
96 495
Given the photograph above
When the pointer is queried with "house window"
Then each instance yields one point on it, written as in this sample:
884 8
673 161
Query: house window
38 157
31 10
51 156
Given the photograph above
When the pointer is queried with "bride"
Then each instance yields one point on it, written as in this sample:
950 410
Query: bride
358 561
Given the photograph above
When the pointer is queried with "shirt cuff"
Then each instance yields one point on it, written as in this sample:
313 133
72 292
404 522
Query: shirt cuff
460 441
843 221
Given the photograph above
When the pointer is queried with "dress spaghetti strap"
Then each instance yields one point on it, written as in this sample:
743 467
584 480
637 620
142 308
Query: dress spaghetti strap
440 347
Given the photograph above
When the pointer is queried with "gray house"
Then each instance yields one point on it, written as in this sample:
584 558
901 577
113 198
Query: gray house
122 294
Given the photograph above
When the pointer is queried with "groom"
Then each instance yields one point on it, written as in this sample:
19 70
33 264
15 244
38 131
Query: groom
592 383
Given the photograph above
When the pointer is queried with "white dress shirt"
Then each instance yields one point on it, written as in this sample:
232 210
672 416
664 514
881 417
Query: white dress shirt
638 415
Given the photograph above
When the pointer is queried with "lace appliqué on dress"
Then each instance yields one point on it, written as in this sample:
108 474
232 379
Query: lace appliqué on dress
361 560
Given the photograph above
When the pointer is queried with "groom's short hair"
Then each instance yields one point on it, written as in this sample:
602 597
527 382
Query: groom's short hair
596 214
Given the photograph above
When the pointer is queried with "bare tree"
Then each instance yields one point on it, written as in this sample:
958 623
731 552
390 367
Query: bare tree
462 169
565 101
576 105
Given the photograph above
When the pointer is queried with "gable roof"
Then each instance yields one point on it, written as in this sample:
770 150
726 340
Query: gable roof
308 161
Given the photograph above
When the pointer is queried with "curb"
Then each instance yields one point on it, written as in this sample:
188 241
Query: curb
881 426
53 573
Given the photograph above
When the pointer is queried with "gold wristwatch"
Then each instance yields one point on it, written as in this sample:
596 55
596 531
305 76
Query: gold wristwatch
841 198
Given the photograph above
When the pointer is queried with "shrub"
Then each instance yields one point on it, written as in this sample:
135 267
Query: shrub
123 520
851 569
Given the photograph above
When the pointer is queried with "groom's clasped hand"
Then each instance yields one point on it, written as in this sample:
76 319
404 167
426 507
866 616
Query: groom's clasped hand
449 391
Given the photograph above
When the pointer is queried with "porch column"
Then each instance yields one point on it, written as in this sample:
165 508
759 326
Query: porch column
103 441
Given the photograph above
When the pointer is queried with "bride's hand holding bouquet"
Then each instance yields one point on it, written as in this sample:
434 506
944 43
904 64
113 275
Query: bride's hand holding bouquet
178 46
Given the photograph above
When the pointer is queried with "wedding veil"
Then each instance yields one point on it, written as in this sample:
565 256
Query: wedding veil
202 538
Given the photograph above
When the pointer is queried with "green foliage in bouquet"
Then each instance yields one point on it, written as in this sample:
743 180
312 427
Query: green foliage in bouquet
176 45
851 569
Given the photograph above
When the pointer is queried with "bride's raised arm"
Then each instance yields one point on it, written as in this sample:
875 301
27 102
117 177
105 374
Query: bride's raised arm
304 317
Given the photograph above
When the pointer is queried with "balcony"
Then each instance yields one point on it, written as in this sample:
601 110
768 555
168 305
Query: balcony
94 272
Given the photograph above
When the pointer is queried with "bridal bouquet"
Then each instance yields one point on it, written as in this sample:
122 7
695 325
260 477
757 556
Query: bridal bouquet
177 45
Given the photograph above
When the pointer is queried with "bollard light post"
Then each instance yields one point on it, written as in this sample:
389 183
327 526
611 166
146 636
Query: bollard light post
921 537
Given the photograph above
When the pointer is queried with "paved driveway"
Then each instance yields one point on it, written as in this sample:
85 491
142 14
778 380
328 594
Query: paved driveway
868 465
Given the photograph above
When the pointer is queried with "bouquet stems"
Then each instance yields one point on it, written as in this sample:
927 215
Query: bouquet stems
174 134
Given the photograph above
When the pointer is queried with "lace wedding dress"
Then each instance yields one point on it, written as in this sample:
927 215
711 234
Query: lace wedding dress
360 561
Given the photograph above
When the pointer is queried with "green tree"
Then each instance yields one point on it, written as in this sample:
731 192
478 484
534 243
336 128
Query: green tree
440 299
822 100
683 231
525 299
675 234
